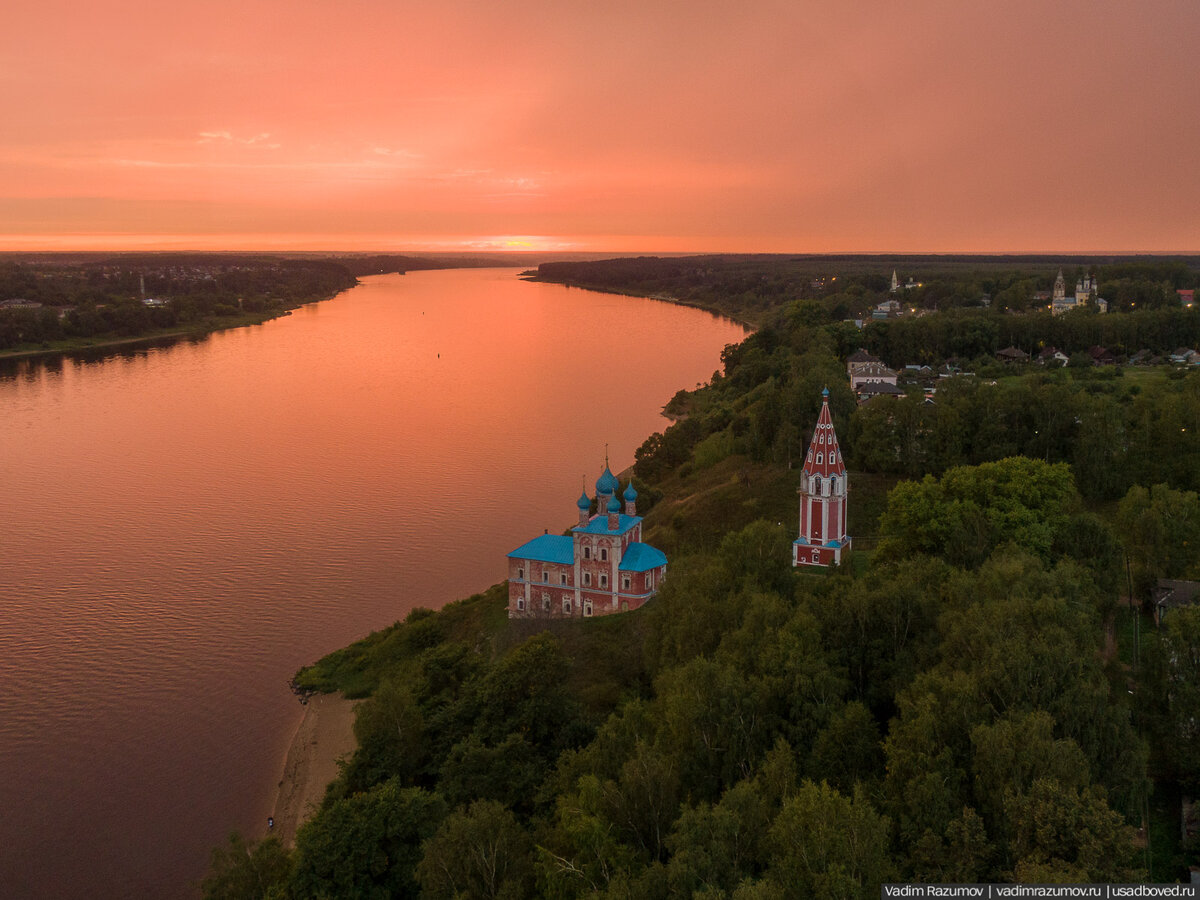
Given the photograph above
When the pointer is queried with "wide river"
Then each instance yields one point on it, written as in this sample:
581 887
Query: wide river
184 527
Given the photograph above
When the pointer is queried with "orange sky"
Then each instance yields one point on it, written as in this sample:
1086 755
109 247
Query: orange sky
928 125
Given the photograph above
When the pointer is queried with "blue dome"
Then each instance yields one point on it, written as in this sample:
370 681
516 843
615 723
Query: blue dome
630 493
584 502
607 483
614 505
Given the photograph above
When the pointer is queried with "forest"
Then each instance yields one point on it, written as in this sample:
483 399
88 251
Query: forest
841 286
976 694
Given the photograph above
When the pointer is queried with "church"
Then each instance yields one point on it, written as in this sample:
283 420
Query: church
823 490
601 567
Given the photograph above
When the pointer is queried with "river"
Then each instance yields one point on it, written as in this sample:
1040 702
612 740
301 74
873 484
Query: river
185 526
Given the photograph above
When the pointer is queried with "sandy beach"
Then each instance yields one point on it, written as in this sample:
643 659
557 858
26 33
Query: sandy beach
325 734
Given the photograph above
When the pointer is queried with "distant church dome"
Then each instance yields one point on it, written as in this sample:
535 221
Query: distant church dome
583 502
630 493
614 505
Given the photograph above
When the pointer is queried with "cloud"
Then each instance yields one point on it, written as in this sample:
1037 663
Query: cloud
226 137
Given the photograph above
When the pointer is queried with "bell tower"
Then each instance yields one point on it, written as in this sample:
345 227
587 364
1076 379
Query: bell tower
823 493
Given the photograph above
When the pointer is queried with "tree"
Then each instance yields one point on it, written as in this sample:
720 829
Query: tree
972 509
479 853
1161 531
365 846
1071 832
246 870
827 845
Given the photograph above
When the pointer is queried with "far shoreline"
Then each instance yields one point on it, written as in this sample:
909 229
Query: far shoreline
164 339
624 292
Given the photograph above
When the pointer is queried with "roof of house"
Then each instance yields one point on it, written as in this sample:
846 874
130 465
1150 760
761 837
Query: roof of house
861 356
876 388
551 548
1176 593
639 557
873 368
1012 353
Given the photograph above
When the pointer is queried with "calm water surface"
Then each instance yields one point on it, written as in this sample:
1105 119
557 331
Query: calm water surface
184 527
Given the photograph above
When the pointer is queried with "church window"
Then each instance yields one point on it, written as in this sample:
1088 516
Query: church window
546 602
563 577
816 484
649 581
566 606
603 581
520 574
545 576
587 552
587 608
604 554
625 582
820 458
520 603
587 579
833 485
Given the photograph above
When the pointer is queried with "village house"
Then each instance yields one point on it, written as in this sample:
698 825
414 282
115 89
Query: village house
872 373
888 309
1052 355
1170 594
601 567
859 357
871 390
1012 354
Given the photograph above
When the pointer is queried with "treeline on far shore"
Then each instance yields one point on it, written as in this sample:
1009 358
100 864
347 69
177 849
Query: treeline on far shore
835 287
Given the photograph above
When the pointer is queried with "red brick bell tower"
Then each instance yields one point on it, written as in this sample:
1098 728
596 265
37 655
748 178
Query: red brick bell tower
823 489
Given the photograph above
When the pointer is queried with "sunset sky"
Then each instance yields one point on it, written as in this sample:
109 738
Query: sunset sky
928 125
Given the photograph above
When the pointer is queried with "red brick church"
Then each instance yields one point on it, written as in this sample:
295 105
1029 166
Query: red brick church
823 489
601 567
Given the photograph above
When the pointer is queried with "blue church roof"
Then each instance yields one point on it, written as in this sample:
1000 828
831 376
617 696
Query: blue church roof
639 557
551 548
599 525
607 483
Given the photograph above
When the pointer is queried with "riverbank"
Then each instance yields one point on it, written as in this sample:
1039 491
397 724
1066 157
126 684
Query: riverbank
159 338
664 298
325 734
